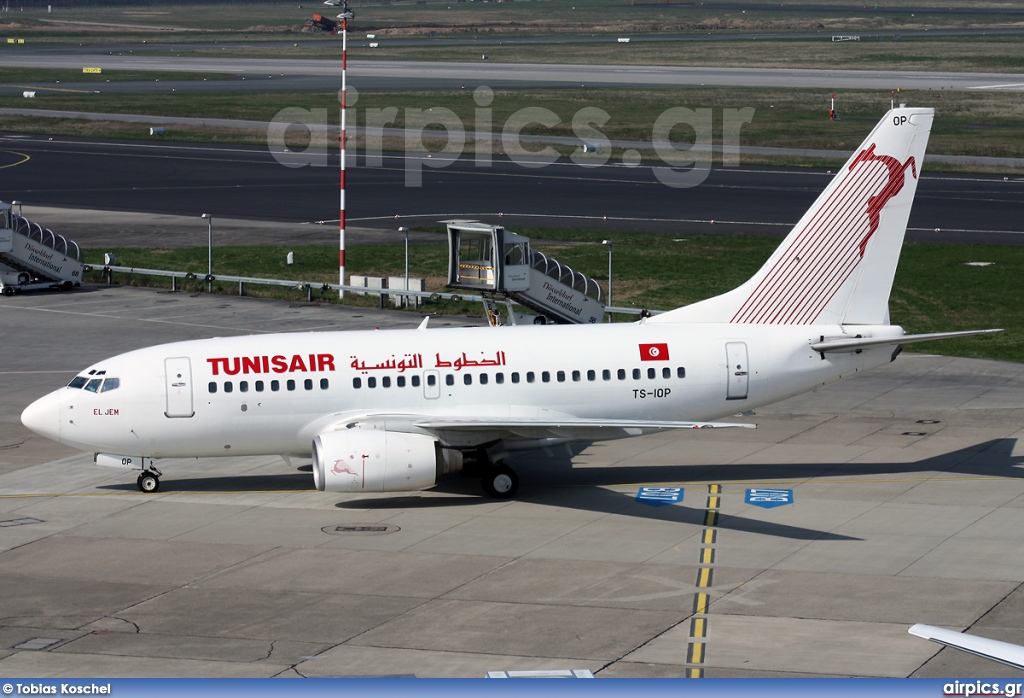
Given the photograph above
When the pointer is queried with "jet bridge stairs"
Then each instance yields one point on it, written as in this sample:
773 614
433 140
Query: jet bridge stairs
33 257
501 264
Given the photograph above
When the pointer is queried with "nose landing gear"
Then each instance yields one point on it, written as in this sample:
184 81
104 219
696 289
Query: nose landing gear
149 480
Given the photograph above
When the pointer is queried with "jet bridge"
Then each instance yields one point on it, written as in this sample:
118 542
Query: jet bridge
33 257
489 259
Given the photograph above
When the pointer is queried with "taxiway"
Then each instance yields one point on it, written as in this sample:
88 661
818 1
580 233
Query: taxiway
907 506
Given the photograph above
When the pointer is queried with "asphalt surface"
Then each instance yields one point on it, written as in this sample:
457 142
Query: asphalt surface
435 75
907 506
248 183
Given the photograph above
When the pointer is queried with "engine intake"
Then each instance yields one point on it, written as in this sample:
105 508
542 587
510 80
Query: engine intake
373 460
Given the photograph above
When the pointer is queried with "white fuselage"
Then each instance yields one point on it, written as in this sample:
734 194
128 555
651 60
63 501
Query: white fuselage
273 394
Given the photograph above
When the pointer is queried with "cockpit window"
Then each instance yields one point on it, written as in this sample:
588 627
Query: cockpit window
94 385
111 384
78 382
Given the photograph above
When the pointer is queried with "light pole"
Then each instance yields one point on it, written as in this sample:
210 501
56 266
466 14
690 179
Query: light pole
209 251
345 16
609 303
403 229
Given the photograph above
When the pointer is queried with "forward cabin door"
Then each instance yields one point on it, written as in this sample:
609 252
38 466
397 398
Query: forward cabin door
178 373
736 353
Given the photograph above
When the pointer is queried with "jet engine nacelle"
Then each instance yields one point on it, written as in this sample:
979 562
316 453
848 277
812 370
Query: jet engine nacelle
373 460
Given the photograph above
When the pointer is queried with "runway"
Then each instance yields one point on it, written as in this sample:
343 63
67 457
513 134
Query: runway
907 506
249 183
378 75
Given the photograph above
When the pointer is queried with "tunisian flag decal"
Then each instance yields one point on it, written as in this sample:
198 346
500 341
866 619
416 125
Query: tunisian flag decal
654 352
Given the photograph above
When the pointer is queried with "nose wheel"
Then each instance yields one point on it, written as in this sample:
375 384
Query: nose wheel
149 480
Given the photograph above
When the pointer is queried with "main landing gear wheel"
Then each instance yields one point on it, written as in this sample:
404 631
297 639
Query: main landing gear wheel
149 482
501 482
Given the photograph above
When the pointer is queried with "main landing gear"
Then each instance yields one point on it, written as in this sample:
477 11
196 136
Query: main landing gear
500 482
497 479
149 480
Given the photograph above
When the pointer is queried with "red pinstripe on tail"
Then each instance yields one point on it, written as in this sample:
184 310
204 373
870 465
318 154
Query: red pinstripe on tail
830 246
838 262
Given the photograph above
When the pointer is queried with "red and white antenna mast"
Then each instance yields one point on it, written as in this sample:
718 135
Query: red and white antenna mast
345 16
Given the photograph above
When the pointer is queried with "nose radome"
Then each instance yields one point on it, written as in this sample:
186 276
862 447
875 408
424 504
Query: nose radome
43 416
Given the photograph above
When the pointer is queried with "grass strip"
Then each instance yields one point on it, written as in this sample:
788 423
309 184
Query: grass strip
975 123
935 290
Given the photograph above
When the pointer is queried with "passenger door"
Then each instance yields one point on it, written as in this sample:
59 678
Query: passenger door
178 373
736 353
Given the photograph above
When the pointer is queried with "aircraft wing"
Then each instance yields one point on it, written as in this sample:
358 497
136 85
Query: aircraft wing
487 424
858 343
996 650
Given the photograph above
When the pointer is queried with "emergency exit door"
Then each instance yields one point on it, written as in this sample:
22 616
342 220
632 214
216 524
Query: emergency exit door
431 385
736 353
178 372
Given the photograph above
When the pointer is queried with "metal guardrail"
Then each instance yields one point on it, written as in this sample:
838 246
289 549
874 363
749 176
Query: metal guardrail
310 286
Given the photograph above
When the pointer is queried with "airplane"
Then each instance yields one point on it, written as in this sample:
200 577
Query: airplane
396 410
996 650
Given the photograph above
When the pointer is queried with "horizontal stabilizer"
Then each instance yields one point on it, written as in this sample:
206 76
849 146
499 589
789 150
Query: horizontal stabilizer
858 343
995 650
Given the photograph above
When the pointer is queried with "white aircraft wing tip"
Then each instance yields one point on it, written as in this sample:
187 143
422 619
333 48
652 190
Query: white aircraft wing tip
996 650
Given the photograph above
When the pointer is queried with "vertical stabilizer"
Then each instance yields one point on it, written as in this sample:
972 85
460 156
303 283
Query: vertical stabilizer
837 264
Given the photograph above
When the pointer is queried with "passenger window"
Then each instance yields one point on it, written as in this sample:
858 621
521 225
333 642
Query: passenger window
666 372
275 386
385 382
591 375
228 386
308 384
467 379
621 374
576 376
515 376
606 375
290 384
110 384
680 372
545 377
636 374
93 385
371 382
324 384
431 380
400 381
259 386
449 379
416 381
529 376
483 379
243 386
78 382
561 376
499 378
357 383
652 373
212 387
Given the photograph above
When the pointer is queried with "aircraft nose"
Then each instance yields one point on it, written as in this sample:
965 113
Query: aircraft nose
43 416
